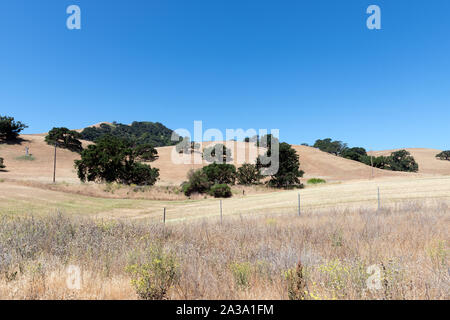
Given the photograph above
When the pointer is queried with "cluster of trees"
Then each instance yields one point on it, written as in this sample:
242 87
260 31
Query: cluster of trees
69 139
9 131
216 178
65 138
330 146
153 133
398 161
112 159
9 128
444 155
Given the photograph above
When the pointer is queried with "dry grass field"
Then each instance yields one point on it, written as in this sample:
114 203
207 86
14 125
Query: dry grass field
114 232
16 198
315 163
324 254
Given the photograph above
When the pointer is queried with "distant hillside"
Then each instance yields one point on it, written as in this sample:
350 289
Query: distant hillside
426 158
154 133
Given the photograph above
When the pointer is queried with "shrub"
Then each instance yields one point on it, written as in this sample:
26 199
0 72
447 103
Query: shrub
153 278
10 129
221 191
220 173
316 181
2 165
444 155
64 138
26 158
140 174
248 174
197 183
241 274
296 283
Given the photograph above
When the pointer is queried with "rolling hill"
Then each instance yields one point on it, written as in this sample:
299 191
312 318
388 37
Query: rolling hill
313 161
426 158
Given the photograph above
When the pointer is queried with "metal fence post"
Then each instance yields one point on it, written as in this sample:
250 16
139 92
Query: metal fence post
379 201
164 217
299 204
221 216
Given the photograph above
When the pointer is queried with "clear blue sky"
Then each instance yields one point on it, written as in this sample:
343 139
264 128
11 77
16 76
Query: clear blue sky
309 68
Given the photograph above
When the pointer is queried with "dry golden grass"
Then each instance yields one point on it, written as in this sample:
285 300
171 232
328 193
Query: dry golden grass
18 198
315 163
247 257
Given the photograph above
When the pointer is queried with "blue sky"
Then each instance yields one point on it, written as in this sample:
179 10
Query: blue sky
309 68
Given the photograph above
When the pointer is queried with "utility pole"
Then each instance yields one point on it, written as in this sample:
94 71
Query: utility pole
299 204
54 165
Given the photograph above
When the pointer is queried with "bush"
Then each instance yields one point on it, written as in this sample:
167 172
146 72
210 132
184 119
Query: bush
197 183
220 191
10 129
26 158
220 173
444 155
248 174
2 165
316 181
296 283
241 274
64 138
153 279
146 152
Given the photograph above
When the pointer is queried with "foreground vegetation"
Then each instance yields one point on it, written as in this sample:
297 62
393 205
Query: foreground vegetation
243 258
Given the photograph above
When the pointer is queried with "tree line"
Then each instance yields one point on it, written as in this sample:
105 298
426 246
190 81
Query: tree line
216 178
151 133
397 161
